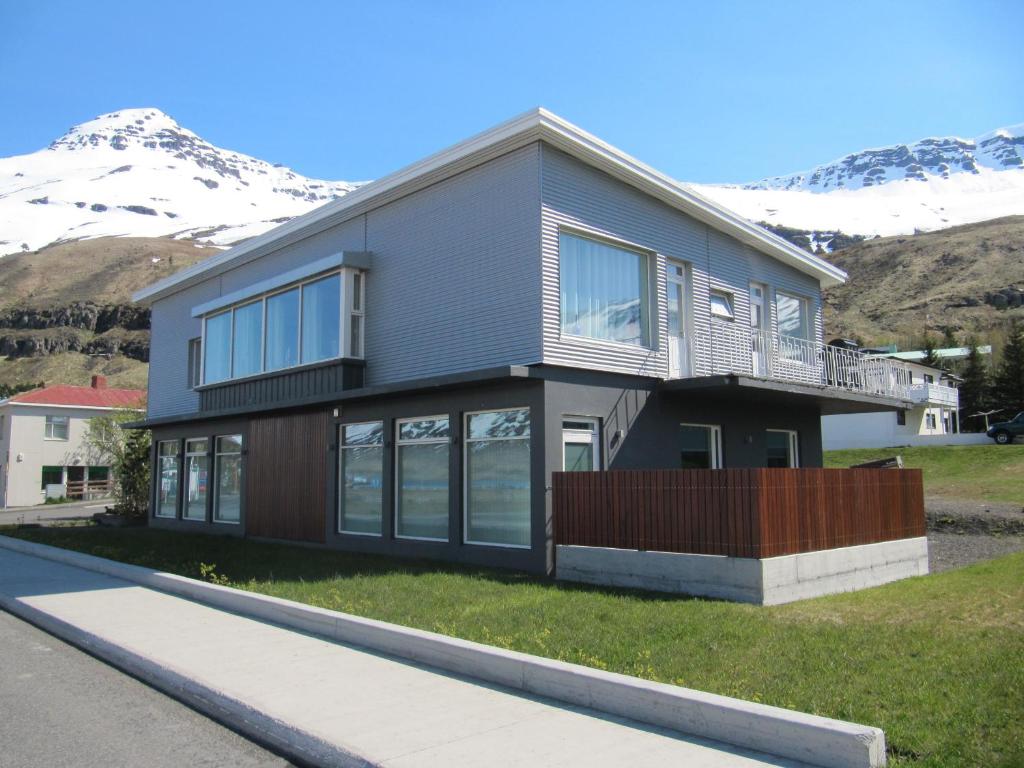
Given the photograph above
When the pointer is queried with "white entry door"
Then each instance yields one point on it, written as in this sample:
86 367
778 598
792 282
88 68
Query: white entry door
680 320
759 341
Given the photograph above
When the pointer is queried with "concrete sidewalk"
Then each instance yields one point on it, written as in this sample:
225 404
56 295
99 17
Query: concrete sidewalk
328 703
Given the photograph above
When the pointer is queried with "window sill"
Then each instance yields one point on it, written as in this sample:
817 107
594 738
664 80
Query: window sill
359 361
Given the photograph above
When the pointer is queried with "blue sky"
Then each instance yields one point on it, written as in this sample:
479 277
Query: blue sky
723 91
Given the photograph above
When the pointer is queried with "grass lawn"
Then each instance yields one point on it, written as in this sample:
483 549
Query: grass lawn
935 661
986 472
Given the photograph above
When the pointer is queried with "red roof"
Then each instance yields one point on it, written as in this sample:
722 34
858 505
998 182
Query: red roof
67 394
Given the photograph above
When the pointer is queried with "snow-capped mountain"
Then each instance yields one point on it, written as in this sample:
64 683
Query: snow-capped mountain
931 184
137 172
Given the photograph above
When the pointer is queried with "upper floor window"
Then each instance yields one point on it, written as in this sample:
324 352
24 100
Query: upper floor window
56 428
722 305
604 291
195 362
296 326
792 316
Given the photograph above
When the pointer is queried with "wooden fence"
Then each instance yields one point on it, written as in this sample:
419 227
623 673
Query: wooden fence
751 513
89 489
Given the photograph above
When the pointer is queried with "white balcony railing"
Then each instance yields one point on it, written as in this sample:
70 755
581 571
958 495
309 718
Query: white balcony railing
934 394
734 348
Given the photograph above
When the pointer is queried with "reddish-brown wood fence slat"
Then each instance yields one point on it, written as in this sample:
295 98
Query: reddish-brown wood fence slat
737 512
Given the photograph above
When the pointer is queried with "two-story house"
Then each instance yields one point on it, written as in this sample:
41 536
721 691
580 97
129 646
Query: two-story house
401 370
42 440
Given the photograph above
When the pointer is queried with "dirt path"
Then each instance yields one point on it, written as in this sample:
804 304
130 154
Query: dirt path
962 532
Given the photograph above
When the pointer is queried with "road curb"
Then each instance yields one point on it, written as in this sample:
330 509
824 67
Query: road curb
795 735
296 744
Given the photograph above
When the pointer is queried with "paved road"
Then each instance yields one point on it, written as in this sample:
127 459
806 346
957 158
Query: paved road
62 707
47 514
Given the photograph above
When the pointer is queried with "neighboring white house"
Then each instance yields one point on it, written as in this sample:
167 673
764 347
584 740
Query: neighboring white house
41 438
933 420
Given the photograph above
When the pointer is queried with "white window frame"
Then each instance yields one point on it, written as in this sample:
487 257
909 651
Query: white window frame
465 474
792 446
48 428
651 286
427 441
347 280
730 300
716 441
195 361
188 479
383 454
805 311
215 499
593 436
159 469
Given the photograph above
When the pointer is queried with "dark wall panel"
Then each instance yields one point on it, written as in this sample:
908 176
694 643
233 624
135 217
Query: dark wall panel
280 389
286 481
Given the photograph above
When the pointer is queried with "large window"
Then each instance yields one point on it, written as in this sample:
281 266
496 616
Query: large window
792 316
498 478
783 448
247 347
56 428
227 493
196 474
361 477
421 468
604 291
217 361
700 446
283 330
321 319
296 326
167 488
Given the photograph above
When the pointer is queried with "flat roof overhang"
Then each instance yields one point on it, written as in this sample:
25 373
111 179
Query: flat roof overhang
831 400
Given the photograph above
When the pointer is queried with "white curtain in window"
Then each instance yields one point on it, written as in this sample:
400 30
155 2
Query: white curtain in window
321 319
603 291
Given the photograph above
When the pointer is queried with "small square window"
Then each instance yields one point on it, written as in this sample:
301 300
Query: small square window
721 305
56 428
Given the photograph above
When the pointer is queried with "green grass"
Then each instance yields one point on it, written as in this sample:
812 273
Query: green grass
984 472
935 661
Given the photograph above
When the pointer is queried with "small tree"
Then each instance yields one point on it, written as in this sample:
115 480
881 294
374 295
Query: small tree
1008 387
127 450
975 391
930 358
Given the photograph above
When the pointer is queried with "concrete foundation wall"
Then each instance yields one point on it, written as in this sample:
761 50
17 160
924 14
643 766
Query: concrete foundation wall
770 581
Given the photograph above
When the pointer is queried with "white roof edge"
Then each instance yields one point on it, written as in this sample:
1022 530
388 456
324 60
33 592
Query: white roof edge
534 124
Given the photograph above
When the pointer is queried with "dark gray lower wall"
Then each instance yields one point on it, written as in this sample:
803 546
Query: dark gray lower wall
640 423
639 429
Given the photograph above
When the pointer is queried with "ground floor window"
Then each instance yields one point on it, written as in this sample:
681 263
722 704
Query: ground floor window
700 446
167 489
421 478
98 474
581 446
901 417
361 479
498 477
51 476
783 448
227 493
196 473
930 421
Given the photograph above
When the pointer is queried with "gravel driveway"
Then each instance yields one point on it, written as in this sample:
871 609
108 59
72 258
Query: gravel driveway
962 532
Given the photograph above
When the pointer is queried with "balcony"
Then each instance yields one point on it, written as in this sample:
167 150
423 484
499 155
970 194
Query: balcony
934 394
733 348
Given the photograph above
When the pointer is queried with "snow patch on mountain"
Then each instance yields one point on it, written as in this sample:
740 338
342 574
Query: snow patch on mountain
137 172
932 184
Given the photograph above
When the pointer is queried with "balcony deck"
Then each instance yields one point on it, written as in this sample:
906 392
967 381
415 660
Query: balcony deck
733 349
